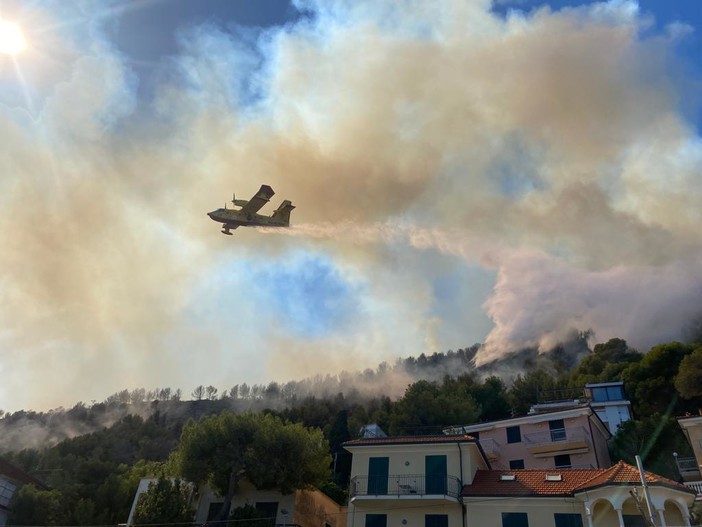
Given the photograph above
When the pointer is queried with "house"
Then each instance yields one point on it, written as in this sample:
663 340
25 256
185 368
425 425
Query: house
574 497
447 481
563 437
610 403
11 479
303 508
413 481
690 467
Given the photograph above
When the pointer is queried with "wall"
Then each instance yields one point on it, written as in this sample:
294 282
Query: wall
411 514
409 459
313 508
247 494
487 512
510 451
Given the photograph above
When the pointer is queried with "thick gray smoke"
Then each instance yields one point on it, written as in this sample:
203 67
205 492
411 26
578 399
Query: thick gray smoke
459 177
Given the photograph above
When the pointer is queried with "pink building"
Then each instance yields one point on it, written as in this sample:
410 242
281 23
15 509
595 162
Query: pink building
574 437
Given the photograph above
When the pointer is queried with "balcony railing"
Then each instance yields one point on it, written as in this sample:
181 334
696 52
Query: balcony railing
576 465
688 464
577 433
405 485
696 486
490 447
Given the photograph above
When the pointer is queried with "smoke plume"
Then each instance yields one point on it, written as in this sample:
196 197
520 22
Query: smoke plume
459 176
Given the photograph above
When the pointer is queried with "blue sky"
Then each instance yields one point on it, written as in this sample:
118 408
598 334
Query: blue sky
464 171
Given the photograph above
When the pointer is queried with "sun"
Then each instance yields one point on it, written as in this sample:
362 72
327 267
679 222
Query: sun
12 39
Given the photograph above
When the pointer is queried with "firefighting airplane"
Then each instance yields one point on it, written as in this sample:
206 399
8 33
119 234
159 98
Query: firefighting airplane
246 216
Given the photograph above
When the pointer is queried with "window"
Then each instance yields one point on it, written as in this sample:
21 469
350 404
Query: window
436 520
599 395
476 435
435 468
615 393
607 393
557 429
269 511
376 520
562 461
513 434
378 475
568 520
515 464
515 519
213 510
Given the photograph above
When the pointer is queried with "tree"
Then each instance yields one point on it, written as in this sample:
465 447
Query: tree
33 506
425 407
526 388
211 392
165 501
654 438
492 396
688 381
223 449
650 382
198 393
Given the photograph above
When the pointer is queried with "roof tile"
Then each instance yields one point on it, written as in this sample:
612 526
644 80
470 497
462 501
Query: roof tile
534 483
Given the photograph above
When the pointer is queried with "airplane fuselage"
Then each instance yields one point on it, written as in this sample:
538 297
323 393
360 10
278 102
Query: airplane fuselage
241 219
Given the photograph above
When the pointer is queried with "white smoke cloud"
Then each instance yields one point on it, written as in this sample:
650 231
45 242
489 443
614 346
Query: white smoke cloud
417 139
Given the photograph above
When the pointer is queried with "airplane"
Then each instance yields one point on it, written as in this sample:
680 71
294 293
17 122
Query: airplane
247 215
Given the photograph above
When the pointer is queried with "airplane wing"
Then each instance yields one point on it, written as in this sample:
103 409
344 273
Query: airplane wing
259 200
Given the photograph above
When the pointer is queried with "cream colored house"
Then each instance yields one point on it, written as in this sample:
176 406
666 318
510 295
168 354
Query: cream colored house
690 468
447 481
303 508
411 481
574 498
573 437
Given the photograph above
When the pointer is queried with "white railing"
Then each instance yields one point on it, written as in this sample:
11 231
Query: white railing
696 486
577 433
490 446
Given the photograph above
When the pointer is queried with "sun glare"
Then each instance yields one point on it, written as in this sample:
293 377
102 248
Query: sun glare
12 39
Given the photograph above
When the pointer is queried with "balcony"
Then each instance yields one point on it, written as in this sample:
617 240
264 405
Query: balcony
405 486
558 441
697 487
491 448
688 468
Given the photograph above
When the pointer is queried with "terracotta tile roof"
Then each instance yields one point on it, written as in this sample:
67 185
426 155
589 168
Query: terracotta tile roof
624 474
528 482
411 440
534 483
16 474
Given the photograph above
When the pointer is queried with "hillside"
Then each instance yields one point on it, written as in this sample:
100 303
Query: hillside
93 455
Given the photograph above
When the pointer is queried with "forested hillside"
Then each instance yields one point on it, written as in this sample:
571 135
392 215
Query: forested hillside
93 475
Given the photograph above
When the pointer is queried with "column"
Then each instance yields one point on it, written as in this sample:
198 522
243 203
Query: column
620 517
662 518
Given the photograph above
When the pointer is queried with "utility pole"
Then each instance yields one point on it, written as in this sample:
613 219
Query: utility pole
647 495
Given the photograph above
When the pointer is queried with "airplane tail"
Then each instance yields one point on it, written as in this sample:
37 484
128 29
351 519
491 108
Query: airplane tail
282 213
